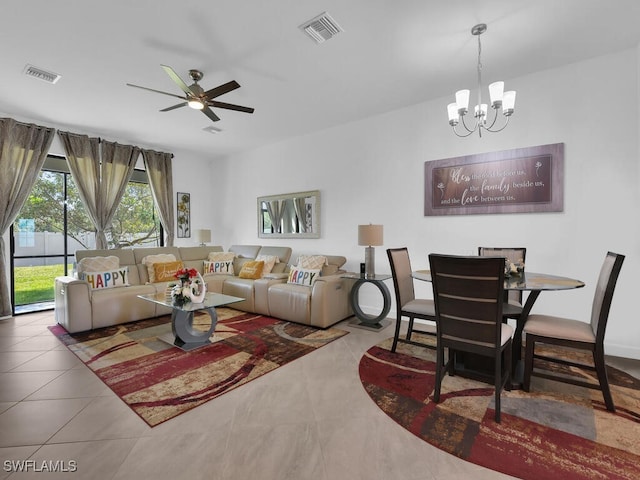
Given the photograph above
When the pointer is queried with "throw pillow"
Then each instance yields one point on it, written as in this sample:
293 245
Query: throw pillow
314 262
303 276
252 270
166 271
221 256
223 267
107 279
149 260
269 262
97 264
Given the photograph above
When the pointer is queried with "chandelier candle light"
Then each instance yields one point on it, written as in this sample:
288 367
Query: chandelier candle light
499 100
369 236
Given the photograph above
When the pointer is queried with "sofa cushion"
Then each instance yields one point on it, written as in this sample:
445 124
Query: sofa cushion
303 276
97 264
166 271
252 270
149 260
118 277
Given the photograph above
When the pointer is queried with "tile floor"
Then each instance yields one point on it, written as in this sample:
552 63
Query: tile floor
310 419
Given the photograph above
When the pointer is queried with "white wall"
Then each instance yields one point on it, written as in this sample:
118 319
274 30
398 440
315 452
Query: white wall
372 171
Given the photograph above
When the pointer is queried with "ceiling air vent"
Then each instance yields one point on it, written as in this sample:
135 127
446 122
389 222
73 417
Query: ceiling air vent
40 74
321 28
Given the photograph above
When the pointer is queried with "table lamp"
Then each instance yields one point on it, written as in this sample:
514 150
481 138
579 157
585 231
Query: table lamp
203 236
369 236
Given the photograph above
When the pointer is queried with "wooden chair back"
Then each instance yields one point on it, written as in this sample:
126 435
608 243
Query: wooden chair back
516 255
468 294
604 294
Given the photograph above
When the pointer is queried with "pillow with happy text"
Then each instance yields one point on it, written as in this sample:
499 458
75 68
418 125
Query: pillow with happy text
224 267
108 279
220 263
303 276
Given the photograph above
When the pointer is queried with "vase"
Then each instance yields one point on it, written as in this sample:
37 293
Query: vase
197 289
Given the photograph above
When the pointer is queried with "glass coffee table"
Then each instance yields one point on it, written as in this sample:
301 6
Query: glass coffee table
183 335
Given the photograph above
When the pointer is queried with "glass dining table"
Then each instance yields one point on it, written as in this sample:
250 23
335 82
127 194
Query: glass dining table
533 283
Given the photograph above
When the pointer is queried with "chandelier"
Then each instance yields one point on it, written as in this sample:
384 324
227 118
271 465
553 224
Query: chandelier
499 100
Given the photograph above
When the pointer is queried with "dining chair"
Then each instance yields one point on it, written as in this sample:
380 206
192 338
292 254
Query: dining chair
468 294
512 307
407 305
566 332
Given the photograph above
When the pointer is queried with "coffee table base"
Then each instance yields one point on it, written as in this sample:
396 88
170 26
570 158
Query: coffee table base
184 336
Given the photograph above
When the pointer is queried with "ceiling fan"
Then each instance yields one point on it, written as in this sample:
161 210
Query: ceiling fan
196 97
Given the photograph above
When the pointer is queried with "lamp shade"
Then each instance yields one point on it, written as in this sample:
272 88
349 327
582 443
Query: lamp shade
370 235
203 235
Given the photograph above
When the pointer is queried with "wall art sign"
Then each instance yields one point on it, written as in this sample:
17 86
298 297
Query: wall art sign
524 180
184 215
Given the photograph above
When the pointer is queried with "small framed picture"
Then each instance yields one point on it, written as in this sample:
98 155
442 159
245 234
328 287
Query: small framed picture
184 215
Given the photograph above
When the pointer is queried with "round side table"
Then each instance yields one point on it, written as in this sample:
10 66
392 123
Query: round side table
364 320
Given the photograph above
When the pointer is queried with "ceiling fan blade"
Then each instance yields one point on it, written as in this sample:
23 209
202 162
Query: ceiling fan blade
222 89
183 104
157 91
178 81
209 113
231 106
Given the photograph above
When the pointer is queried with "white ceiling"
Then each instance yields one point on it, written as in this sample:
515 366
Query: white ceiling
392 53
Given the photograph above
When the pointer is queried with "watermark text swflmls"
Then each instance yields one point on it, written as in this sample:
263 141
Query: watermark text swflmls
50 466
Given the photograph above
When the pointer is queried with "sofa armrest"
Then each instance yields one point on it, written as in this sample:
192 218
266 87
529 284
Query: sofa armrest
73 304
330 300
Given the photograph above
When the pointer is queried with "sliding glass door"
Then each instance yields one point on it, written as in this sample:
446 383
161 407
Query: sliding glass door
53 224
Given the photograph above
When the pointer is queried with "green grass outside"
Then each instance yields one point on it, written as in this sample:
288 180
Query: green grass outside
35 284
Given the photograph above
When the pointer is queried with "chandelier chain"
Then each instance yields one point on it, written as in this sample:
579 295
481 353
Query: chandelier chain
479 70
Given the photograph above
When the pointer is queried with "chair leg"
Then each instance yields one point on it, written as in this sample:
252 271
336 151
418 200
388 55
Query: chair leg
601 370
497 384
410 328
451 363
508 366
528 362
396 334
440 366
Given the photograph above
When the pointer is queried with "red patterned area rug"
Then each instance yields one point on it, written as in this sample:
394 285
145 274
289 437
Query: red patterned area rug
554 431
159 381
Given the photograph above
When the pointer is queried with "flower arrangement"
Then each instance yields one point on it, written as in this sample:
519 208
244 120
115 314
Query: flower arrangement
186 274
511 268
190 280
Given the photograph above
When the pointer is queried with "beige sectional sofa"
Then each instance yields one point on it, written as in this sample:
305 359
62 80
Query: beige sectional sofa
78 307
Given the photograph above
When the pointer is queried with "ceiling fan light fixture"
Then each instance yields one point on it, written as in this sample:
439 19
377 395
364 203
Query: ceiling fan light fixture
196 104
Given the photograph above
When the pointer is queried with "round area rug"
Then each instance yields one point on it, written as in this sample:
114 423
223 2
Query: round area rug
554 431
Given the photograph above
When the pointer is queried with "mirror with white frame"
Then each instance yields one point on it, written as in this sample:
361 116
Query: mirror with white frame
291 215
